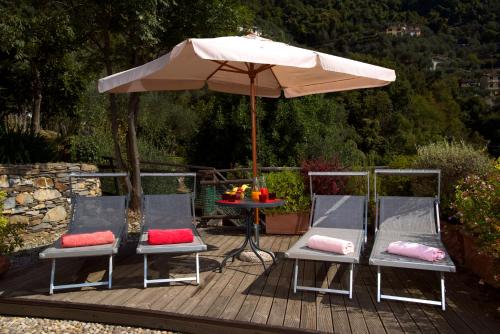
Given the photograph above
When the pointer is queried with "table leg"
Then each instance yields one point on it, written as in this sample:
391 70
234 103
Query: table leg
256 228
248 237
256 250
254 245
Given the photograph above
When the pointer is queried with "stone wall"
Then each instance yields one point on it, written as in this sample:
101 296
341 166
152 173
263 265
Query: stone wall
38 195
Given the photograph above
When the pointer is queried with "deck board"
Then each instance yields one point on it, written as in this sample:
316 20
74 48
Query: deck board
244 298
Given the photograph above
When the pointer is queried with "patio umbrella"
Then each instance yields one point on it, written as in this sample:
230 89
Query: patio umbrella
248 65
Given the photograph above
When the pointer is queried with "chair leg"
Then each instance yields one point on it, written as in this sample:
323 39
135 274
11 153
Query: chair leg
295 274
110 272
197 268
52 276
379 282
145 271
351 280
443 291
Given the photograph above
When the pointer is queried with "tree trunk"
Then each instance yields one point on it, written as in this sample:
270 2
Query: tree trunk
113 112
133 151
37 98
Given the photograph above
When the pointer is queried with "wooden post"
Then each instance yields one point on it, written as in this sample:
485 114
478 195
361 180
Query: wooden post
252 74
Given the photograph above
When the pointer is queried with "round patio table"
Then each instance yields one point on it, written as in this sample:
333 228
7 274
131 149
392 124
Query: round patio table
249 206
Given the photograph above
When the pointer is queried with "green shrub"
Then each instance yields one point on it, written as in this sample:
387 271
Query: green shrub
85 149
477 202
397 185
18 147
9 233
456 160
289 186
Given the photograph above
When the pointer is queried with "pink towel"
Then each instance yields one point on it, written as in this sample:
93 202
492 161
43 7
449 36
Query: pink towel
87 239
330 244
417 251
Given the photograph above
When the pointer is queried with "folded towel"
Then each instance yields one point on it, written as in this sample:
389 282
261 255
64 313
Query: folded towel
87 239
170 236
330 244
415 250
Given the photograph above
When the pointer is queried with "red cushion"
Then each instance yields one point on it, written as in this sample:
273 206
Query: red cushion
87 239
170 236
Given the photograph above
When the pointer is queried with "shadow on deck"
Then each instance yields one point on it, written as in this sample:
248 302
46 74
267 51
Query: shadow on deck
246 299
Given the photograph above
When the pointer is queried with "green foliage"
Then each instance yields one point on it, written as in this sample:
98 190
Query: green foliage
477 202
10 237
311 127
18 147
289 186
395 185
72 44
84 149
456 160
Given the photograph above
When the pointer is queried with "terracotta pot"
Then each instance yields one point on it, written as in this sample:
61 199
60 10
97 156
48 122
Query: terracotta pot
482 264
453 240
287 223
4 265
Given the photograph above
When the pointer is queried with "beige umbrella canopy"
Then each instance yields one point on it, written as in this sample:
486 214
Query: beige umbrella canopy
248 65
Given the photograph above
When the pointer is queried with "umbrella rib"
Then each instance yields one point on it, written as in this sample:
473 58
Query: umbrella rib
239 70
275 77
263 68
327 82
216 70
231 70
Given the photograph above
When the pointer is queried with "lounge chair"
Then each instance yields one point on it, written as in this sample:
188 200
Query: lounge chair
412 219
339 216
91 214
169 211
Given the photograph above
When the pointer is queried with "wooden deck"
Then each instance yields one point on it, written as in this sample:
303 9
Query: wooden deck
245 298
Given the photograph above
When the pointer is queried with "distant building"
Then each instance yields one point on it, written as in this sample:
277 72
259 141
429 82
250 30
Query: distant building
469 83
403 30
490 81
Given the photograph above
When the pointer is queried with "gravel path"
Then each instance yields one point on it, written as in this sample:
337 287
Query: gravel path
19 325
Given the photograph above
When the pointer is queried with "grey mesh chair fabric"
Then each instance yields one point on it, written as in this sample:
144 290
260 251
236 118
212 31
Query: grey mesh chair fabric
333 216
169 211
411 219
91 214
339 211
338 216
410 214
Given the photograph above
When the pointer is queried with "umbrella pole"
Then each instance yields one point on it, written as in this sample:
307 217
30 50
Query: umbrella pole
253 112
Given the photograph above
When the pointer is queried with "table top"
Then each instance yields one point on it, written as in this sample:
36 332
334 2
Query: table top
249 204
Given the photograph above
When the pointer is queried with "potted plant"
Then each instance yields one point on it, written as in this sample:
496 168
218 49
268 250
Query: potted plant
477 202
293 217
9 238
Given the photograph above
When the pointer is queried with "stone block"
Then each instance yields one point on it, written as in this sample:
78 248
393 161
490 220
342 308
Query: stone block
88 168
26 182
21 209
4 181
33 212
9 203
15 181
42 226
55 214
35 221
43 182
18 219
39 206
42 195
24 199
61 186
